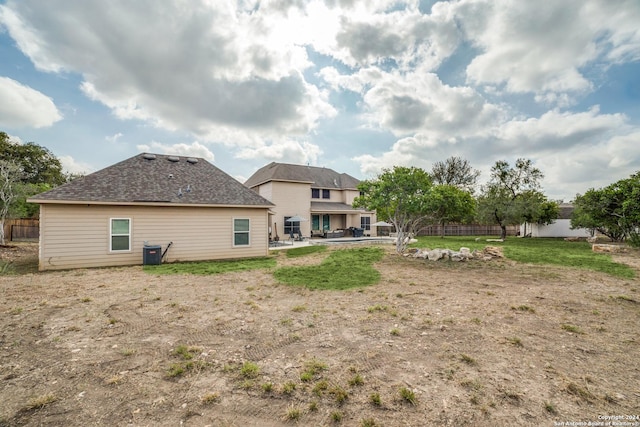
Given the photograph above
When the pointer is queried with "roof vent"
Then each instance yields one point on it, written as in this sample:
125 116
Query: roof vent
192 160
149 156
174 158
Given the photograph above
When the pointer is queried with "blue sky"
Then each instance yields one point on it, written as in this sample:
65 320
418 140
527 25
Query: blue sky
356 86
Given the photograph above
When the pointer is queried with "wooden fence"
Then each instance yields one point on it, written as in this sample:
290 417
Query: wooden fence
468 230
21 229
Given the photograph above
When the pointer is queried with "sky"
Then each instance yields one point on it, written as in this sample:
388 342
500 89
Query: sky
356 86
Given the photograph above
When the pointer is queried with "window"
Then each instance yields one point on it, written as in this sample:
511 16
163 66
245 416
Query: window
120 235
326 194
365 222
315 222
325 222
241 232
315 193
291 226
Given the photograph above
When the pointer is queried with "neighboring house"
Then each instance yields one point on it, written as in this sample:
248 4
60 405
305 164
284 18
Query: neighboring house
107 217
321 196
561 227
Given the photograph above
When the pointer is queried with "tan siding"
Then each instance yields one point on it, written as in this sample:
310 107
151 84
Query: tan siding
78 236
265 190
291 199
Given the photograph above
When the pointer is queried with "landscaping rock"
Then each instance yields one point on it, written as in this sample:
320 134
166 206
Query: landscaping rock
435 255
493 252
601 247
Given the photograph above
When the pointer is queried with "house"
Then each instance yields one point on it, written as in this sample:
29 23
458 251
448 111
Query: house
321 196
561 227
106 218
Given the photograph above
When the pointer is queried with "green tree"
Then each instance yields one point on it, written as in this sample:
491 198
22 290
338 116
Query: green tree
536 209
37 170
448 203
455 171
38 164
511 195
613 210
400 196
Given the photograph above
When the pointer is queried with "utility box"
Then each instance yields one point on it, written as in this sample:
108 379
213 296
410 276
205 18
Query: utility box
151 255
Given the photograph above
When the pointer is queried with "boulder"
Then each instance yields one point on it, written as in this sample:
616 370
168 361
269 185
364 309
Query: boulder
493 251
601 247
435 254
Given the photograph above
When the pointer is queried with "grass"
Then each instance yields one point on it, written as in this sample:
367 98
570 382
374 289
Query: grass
572 328
40 402
544 251
212 267
407 395
375 399
249 370
342 269
305 250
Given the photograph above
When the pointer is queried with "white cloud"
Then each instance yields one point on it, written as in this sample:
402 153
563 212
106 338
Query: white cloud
544 49
284 150
71 165
559 130
195 149
198 65
113 138
23 106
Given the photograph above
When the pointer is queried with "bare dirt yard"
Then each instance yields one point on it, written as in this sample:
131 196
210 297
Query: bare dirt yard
492 343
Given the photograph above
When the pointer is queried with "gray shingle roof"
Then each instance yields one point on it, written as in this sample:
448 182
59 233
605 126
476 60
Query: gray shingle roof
318 177
156 178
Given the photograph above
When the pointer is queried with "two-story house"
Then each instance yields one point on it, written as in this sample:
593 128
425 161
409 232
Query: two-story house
321 197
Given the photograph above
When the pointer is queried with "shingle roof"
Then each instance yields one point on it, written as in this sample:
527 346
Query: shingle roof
318 177
156 178
565 210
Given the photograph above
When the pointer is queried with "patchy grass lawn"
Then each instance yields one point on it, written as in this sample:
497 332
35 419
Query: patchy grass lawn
212 267
537 251
342 269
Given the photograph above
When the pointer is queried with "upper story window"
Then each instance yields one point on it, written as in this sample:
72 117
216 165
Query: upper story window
326 194
315 193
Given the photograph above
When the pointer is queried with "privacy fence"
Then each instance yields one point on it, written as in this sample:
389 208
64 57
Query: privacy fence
468 230
21 229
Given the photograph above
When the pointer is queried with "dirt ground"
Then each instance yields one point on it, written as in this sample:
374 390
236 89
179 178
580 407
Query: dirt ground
492 343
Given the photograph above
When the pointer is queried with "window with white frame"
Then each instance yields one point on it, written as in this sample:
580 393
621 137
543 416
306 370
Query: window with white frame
120 230
241 227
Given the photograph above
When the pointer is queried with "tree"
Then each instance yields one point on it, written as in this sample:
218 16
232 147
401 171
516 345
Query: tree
455 171
536 209
613 211
38 164
448 203
512 195
400 196
10 175
38 170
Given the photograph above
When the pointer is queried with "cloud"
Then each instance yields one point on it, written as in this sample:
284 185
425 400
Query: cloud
23 106
201 66
71 165
195 149
285 150
544 49
556 129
